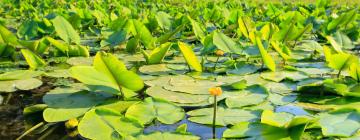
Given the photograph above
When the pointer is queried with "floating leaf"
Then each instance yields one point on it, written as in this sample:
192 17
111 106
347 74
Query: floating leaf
167 136
176 97
103 124
280 119
342 124
145 112
250 96
66 103
225 116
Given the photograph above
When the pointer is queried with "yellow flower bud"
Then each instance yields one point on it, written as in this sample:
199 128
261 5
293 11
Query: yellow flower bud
219 52
73 133
72 123
215 91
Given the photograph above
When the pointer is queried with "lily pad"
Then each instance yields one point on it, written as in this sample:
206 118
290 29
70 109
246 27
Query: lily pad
250 96
195 87
102 124
243 70
167 136
61 73
342 124
255 131
157 69
176 97
68 103
278 99
225 116
19 74
23 84
80 61
164 111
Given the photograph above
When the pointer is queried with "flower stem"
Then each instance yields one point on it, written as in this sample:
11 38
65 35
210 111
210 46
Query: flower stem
338 74
217 60
214 118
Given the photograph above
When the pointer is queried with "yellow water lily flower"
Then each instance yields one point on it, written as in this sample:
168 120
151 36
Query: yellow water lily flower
215 91
71 123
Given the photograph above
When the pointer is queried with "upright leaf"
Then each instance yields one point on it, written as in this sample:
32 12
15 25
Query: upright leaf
276 46
145 36
33 60
190 56
225 43
342 20
164 20
65 31
342 61
158 54
340 40
107 73
28 29
7 37
354 71
164 38
198 31
267 59
246 25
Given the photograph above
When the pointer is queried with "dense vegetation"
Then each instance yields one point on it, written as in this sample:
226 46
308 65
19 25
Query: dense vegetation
122 69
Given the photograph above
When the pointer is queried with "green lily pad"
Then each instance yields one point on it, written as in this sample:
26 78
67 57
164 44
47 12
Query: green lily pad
195 87
23 84
273 76
80 61
176 97
164 111
162 80
157 69
19 74
225 116
255 131
281 88
243 70
289 128
102 124
67 103
278 99
166 136
342 124
61 73
280 119
315 71
266 105
250 96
